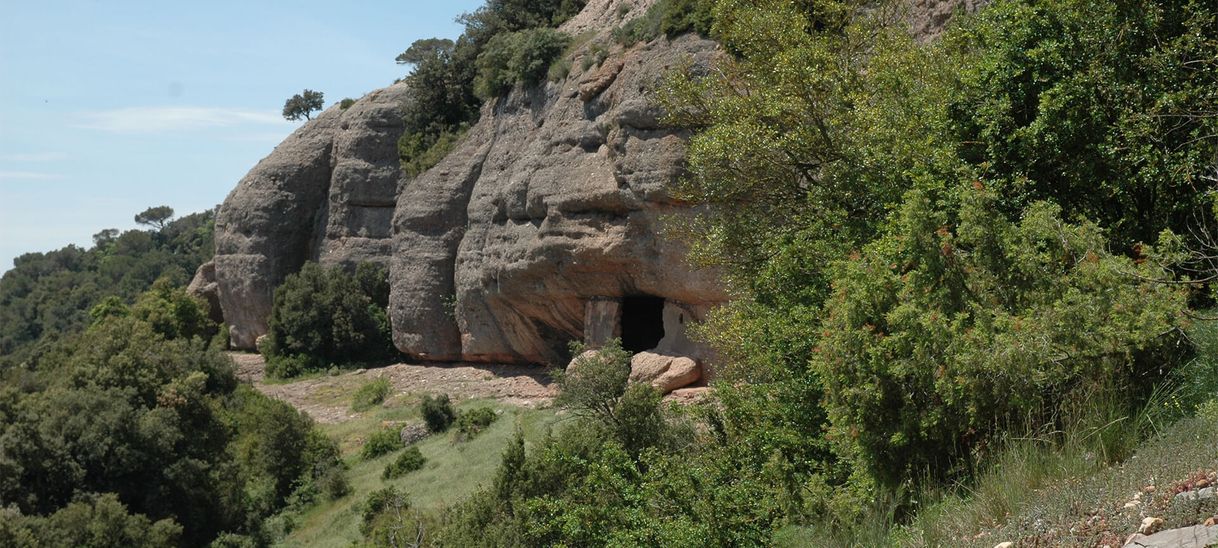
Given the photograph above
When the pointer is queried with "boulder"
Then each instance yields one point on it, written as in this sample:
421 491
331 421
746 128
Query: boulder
666 373
413 433
1198 536
204 287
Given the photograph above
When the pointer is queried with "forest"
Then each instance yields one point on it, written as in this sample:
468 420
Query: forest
962 269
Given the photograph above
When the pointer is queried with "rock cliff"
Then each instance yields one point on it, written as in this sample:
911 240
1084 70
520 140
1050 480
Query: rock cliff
540 227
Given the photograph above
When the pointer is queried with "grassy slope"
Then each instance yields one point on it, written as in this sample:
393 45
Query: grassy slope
453 470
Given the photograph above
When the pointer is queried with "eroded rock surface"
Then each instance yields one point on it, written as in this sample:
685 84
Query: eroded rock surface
554 200
327 193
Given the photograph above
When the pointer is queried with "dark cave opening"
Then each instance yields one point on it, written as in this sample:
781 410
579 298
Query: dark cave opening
642 322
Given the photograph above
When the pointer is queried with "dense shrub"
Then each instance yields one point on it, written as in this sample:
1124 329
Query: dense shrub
667 18
522 57
328 316
47 296
93 521
158 424
380 443
937 338
444 75
437 412
370 394
408 461
472 422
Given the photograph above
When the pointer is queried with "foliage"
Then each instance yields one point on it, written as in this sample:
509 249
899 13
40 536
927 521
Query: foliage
49 296
370 394
382 442
388 520
406 462
141 411
156 217
446 74
470 423
437 412
512 58
328 316
937 339
302 104
669 18
346 103
1103 107
93 522
419 152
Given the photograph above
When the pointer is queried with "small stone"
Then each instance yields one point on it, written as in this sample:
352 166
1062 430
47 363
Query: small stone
1148 489
1131 504
1150 526
1211 522
1201 483
360 371
1007 544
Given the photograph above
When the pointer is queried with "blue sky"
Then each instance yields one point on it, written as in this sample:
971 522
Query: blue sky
108 107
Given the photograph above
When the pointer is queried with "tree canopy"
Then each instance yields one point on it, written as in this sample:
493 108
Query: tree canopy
302 104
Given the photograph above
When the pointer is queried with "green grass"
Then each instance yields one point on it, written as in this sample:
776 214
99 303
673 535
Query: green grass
370 395
451 473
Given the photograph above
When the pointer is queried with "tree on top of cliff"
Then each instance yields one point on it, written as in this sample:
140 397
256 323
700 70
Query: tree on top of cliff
301 104
155 217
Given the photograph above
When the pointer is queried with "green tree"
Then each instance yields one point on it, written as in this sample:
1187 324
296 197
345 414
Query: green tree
302 104
155 217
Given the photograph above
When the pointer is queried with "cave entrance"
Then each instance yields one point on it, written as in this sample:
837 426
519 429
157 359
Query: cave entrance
642 323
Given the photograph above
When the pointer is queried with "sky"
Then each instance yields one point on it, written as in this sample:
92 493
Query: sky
110 107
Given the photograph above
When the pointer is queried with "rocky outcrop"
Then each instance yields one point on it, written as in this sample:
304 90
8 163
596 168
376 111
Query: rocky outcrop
327 193
540 227
204 287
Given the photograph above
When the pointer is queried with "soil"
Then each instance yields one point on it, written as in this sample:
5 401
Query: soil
323 397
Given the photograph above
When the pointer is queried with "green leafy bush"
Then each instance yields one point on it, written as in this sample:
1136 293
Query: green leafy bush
380 443
419 152
346 103
326 316
667 18
522 57
437 412
472 422
370 394
140 409
408 461
960 324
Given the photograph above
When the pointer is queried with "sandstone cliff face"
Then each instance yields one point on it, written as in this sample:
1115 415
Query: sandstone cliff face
541 227
327 193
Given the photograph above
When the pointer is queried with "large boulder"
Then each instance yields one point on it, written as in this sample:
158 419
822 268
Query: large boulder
666 373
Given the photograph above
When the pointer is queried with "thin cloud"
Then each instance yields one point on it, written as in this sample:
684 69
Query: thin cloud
28 176
171 119
33 157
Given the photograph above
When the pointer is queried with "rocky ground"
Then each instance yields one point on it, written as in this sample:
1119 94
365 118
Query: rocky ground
327 398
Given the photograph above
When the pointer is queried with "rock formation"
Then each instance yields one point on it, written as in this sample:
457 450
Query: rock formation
540 227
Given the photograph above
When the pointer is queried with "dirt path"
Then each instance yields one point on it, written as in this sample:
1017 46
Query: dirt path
327 398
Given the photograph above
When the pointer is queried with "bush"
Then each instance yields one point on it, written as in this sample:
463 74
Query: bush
438 412
323 316
953 327
471 423
346 103
669 18
371 394
419 152
381 443
409 461
522 57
